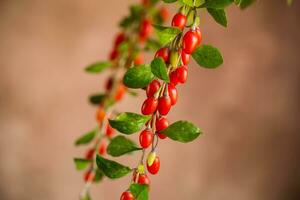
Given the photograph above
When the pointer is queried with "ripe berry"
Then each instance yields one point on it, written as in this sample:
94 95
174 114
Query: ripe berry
146 138
161 124
161 136
88 176
199 35
109 84
164 105
154 168
89 154
185 58
102 148
182 74
145 29
173 78
152 88
119 39
138 60
190 42
163 53
114 54
120 92
143 179
164 13
149 106
109 131
127 196
172 93
100 115
179 20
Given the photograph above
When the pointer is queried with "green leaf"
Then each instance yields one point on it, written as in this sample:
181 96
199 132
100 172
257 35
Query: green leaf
159 69
112 169
152 45
81 163
86 138
96 99
219 16
99 175
169 1
139 191
243 3
193 3
166 34
217 4
98 67
182 131
208 56
138 76
129 123
121 145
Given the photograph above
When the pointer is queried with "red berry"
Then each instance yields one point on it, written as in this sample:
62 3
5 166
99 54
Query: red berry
173 78
109 131
199 35
172 93
161 124
119 39
164 105
120 92
149 106
161 136
179 20
109 84
114 54
163 53
152 88
127 196
88 176
145 29
89 154
146 138
182 74
138 60
185 58
154 168
164 13
102 148
143 179
190 42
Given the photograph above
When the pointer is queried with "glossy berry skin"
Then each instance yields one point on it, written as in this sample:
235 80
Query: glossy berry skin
163 53
199 35
154 168
119 39
127 196
149 106
185 58
179 20
190 42
109 131
173 78
152 88
182 74
161 124
172 93
146 138
143 179
164 105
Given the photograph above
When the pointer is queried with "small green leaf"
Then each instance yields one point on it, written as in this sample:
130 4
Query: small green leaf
139 191
159 69
169 1
129 123
112 169
219 16
81 163
152 45
193 3
121 145
208 56
97 99
166 34
182 131
99 175
217 4
86 138
138 76
98 67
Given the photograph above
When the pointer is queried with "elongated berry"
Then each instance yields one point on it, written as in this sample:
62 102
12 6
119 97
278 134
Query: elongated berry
173 78
154 168
190 42
121 89
109 131
199 35
89 175
102 148
149 106
90 154
127 196
172 93
163 53
161 123
164 105
182 74
146 138
152 88
185 58
119 39
179 20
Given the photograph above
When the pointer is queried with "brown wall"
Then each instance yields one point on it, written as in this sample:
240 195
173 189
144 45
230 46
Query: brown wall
248 108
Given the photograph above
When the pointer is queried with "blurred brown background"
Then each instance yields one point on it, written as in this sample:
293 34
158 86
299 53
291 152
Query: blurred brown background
248 108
